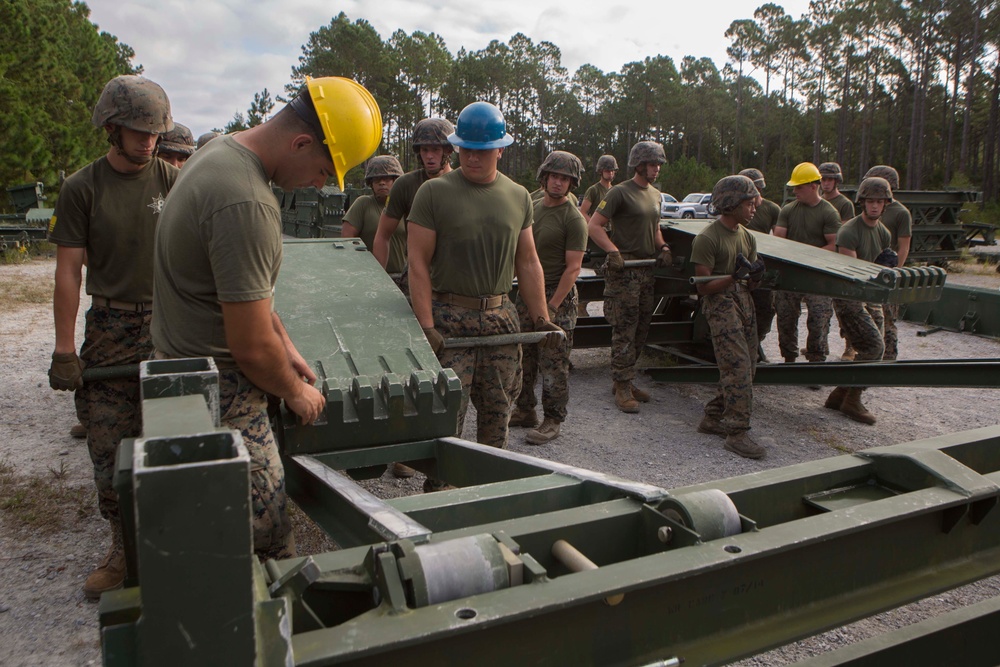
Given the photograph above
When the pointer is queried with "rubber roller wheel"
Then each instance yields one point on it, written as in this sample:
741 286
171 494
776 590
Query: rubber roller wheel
710 513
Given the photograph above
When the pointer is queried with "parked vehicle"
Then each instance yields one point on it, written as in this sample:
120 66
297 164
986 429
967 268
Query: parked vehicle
695 205
666 200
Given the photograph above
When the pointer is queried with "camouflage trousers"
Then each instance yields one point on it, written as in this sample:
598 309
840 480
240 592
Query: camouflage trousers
552 364
732 320
862 325
491 376
110 410
763 306
891 338
628 307
243 406
788 307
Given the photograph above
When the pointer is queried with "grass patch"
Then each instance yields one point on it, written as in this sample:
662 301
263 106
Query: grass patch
969 264
23 251
42 504
18 290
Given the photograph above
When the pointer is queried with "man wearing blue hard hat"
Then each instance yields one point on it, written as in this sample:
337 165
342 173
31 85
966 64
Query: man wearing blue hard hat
470 234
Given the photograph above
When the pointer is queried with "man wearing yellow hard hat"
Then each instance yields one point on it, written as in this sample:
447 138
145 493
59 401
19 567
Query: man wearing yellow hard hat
217 256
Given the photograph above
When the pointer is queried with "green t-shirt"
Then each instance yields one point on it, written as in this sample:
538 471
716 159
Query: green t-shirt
364 215
898 221
844 206
716 246
634 212
557 229
809 224
537 195
765 218
866 241
477 228
219 240
596 194
397 206
114 217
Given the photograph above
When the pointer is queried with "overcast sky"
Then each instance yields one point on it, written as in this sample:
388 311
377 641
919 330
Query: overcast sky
211 56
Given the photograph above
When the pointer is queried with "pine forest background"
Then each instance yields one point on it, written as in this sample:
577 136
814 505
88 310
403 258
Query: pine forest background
914 84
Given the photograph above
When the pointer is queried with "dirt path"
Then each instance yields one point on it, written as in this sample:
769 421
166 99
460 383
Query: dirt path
44 619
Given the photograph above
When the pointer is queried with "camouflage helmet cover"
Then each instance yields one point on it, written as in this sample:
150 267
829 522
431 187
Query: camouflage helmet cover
886 172
731 191
646 151
874 187
178 140
432 132
134 102
755 175
831 170
382 165
207 137
606 162
561 162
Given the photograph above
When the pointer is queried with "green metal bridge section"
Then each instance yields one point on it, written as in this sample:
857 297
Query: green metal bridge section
526 561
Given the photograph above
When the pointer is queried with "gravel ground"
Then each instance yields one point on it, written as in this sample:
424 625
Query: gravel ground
44 619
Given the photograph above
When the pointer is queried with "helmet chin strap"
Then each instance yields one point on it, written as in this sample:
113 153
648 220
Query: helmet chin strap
115 139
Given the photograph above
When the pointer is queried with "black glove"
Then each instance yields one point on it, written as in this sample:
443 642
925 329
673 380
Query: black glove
435 338
888 258
554 338
66 371
757 270
743 267
665 258
614 262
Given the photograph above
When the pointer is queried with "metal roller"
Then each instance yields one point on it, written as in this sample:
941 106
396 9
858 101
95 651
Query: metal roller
522 338
443 571
710 513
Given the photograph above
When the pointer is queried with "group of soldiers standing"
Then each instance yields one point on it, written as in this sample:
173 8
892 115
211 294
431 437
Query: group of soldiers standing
453 239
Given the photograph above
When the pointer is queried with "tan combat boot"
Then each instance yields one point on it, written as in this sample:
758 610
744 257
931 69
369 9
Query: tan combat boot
402 471
853 408
548 431
836 398
849 352
638 394
109 575
524 418
78 431
741 443
624 399
712 426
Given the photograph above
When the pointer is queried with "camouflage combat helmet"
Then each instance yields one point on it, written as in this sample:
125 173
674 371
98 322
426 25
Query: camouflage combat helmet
886 172
755 175
432 132
133 102
561 162
646 151
207 137
831 170
732 191
178 140
382 165
874 187
606 162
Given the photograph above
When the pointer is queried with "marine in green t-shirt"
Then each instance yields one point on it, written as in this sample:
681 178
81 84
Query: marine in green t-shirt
814 224
606 168
363 217
725 301
433 151
862 237
898 220
633 210
765 217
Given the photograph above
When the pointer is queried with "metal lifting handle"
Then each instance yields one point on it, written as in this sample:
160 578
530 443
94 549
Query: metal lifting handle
523 338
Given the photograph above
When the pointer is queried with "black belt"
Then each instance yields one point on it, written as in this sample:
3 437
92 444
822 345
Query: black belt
140 307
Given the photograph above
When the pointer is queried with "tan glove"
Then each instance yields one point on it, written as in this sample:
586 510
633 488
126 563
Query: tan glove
554 339
435 338
614 262
66 371
665 258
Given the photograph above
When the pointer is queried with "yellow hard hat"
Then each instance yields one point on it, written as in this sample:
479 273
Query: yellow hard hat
350 119
805 172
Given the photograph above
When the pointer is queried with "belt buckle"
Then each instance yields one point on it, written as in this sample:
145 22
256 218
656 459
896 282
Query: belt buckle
484 303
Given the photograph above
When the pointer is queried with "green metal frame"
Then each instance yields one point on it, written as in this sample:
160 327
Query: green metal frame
964 309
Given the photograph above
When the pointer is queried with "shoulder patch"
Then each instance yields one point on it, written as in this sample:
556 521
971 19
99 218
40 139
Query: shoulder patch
601 205
52 223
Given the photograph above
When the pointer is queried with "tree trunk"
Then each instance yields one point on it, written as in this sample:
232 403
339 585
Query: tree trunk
992 138
963 159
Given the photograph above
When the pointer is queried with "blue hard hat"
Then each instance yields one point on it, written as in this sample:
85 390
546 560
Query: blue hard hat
480 126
